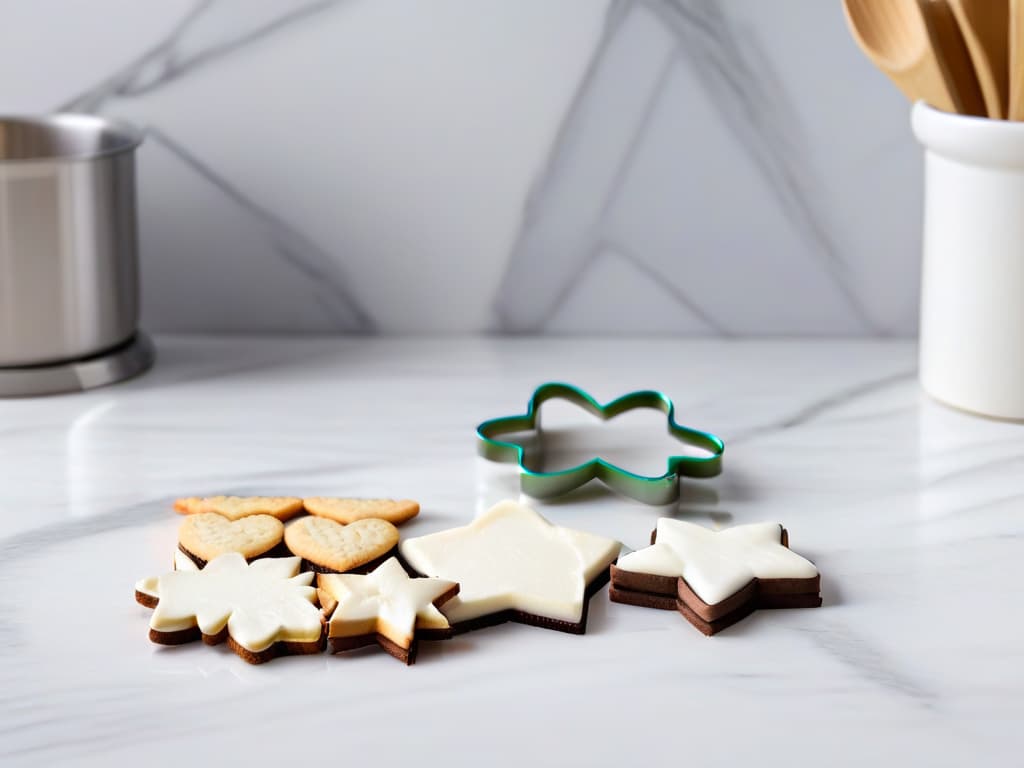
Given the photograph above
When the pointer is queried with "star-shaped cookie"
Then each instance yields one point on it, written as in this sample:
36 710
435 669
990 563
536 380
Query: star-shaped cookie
513 565
716 578
262 609
386 607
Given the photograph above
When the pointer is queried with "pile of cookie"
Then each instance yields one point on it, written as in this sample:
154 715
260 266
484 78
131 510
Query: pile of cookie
244 571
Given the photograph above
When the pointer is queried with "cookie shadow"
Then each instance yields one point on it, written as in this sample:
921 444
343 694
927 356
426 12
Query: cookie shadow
597 612
831 591
733 486
696 492
434 650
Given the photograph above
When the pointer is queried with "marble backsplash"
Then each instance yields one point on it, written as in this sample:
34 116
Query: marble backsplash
723 167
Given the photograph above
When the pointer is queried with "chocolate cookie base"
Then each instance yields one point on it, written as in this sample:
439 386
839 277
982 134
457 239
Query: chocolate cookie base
362 569
283 648
643 599
278 550
709 628
405 655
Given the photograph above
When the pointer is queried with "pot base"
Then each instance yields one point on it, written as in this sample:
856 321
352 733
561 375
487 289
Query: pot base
127 360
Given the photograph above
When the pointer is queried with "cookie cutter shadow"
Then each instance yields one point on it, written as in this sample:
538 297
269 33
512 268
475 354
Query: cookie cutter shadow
718 517
733 486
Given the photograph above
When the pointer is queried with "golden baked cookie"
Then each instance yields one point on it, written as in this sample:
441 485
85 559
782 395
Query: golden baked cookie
206 535
347 511
236 507
330 547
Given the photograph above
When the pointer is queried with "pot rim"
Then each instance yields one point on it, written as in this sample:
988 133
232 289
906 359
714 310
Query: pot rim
113 136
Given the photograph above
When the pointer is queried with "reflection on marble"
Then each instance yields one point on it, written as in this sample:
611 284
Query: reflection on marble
718 167
911 511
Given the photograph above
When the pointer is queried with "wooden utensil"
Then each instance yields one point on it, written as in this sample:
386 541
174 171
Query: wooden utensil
894 36
984 26
1016 111
954 58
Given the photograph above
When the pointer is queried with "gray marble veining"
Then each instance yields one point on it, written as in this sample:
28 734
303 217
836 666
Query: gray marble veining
736 78
717 167
210 30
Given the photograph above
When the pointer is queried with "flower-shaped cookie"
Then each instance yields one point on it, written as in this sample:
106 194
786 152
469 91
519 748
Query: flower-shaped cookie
262 609
660 489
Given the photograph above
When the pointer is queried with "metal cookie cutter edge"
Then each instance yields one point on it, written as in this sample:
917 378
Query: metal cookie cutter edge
657 490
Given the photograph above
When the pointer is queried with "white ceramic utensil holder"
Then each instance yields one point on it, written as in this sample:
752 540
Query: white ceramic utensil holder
972 289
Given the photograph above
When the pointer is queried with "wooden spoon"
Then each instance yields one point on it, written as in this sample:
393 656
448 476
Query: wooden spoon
893 35
954 58
1016 111
984 26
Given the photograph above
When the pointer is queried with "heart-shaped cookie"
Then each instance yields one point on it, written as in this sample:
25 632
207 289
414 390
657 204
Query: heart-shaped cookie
347 511
237 507
206 535
329 547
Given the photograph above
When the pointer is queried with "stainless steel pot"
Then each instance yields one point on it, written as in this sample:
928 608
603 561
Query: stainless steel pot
68 240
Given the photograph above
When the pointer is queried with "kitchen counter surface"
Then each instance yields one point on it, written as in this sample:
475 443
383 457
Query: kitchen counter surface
914 513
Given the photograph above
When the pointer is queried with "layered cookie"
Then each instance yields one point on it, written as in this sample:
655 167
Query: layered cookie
716 578
513 565
262 609
385 607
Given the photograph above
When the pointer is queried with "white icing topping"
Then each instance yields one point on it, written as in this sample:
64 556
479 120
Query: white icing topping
512 558
385 601
182 562
261 603
718 564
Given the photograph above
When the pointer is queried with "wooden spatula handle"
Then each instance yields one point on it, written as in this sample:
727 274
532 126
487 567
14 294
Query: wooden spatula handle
984 24
953 56
1016 60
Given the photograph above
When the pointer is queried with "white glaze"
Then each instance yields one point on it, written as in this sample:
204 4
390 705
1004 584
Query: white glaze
718 564
512 558
261 603
148 585
386 601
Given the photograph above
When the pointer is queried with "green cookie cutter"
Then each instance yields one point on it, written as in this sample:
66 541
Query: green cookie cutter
662 489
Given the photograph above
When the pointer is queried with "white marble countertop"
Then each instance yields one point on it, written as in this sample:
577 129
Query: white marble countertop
914 514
